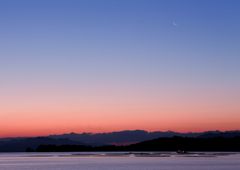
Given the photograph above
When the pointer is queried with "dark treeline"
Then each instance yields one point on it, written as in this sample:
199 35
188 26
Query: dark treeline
161 144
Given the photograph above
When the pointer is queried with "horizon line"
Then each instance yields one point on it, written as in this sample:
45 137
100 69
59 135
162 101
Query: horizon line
117 131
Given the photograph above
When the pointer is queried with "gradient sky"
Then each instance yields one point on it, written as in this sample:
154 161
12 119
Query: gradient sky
111 65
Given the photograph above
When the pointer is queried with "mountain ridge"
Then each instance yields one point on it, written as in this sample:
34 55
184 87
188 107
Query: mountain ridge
22 144
112 138
127 136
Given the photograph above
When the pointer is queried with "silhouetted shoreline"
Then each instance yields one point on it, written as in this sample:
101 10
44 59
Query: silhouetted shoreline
161 144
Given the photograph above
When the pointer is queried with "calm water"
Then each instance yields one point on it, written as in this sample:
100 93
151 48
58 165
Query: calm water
104 161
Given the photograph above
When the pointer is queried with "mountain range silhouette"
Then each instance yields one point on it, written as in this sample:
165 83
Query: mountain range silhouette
100 139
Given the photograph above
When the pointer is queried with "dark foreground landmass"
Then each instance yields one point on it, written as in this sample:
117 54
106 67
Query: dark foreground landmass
19 144
161 144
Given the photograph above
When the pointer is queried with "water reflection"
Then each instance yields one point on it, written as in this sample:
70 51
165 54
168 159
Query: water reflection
119 161
136 154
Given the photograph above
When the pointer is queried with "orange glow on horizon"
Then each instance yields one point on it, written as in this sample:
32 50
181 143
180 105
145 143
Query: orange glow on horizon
182 127
43 119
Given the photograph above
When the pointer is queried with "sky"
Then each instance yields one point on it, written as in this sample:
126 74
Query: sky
111 65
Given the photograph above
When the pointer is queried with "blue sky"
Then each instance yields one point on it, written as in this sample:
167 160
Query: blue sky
120 53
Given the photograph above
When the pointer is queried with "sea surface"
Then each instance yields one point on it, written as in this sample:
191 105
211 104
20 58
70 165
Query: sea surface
119 161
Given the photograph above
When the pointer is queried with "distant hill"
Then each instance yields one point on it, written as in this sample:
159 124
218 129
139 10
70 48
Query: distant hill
161 144
22 144
100 139
221 134
121 137
135 136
